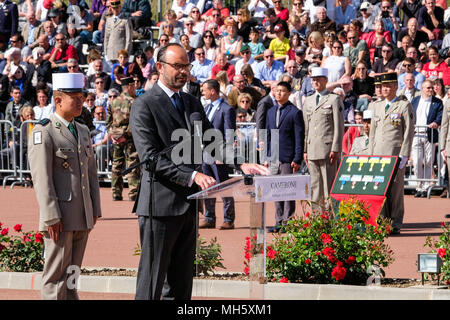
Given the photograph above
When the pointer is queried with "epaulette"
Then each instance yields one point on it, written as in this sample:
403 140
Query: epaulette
402 97
44 122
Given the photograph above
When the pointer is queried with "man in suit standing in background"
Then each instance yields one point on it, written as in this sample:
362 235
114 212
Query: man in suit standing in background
391 134
168 228
288 120
428 115
223 118
64 174
324 131
445 135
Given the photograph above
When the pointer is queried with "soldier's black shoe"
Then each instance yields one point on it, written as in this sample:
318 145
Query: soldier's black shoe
117 198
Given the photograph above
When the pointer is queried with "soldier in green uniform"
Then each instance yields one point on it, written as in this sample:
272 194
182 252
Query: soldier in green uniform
124 151
391 134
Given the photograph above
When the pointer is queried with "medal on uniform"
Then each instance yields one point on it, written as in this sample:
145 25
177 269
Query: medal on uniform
355 179
366 179
384 162
65 164
343 179
396 119
378 180
350 161
361 162
373 161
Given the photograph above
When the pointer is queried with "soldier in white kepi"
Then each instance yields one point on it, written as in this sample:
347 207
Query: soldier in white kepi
391 134
323 112
64 173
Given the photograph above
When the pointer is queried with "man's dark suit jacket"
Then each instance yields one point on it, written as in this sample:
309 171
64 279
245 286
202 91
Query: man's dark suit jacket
434 115
153 118
261 111
9 20
291 133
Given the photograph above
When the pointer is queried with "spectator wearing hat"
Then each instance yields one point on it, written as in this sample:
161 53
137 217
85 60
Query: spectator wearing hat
54 15
246 58
256 47
69 203
9 19
367 17
391 134
324 129
273 20
118 33
279 45
360 145
201 67
323 23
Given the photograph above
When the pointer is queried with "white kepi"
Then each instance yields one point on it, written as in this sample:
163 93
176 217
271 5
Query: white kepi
319 72
68 82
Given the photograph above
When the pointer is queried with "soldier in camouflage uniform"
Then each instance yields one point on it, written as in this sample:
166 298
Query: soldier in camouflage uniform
124 151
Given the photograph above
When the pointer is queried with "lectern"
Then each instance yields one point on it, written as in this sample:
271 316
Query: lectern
257 190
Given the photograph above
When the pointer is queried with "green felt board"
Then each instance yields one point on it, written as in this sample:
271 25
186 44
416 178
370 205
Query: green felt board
347 171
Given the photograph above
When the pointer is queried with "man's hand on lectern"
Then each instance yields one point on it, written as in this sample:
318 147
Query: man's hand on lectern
204 181
254 168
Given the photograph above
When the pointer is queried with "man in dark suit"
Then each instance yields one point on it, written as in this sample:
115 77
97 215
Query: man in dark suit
288 120
167 228
223 118
428 115
9 19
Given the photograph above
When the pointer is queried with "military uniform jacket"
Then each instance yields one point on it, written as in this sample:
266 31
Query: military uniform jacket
360 145
392 131
324 125
64 173
445 129
118 36
118 117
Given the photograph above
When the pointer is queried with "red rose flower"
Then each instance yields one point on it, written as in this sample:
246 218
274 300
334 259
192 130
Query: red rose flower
307 214
326 238
307 261
39 238
442 224
350 260
1 247
284 280
328 251
332 259
349 227
318 253
388 229
306 225
18 227
442 252
26 239
5 231
246 270
339 272
271 254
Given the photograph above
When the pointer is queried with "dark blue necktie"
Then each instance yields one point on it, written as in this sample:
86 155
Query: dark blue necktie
178 103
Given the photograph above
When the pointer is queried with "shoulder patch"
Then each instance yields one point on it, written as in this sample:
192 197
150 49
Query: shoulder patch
44 122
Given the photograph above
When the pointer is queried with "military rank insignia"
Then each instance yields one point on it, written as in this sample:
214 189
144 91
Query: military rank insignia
37 137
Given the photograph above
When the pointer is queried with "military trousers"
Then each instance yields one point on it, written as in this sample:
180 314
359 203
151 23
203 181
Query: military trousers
322 177
124 154
57 282
394 207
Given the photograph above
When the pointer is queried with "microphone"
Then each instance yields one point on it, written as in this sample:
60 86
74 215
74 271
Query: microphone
197 146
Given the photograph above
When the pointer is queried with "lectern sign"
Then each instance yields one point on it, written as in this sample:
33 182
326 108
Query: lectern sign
282 188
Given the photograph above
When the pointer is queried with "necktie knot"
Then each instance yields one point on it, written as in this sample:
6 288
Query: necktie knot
317 99
387 107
